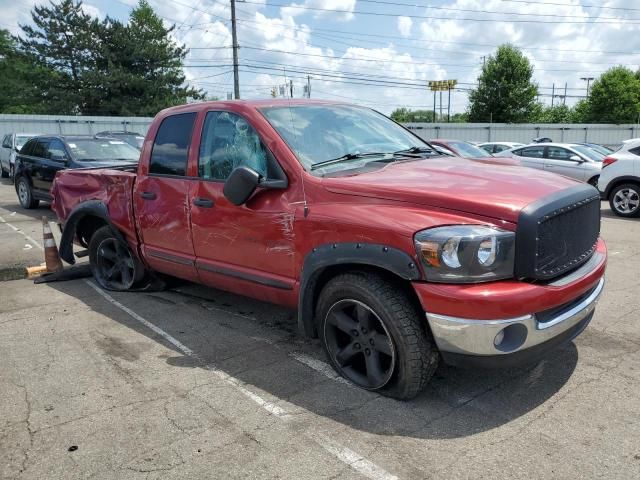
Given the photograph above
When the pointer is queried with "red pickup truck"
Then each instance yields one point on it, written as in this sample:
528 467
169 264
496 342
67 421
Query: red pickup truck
395 256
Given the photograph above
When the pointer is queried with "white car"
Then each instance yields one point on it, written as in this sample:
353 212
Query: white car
568 159
619 181
497 147
11 145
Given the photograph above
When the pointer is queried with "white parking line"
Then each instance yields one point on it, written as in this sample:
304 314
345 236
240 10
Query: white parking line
17 230
349 457
318 366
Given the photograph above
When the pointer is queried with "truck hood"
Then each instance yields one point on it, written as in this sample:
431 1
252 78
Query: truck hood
490 190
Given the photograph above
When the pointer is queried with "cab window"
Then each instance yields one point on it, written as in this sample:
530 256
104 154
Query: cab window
171 145
558 153
228 141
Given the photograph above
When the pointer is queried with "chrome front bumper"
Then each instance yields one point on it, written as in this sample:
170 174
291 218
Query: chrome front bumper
502 337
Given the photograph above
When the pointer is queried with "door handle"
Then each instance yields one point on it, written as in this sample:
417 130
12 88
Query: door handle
148 195
203 202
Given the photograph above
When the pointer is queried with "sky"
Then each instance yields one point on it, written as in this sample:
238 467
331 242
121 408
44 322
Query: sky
382 53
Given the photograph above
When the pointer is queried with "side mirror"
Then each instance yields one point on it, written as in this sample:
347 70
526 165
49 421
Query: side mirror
576 158
240 185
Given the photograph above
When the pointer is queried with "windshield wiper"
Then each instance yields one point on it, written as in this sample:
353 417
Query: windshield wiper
347 157
415 150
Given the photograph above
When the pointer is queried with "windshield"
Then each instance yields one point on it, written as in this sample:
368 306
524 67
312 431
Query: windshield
21 140
589 152
102 150
317 133
467 150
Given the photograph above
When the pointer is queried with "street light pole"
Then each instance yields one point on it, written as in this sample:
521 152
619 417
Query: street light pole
588 80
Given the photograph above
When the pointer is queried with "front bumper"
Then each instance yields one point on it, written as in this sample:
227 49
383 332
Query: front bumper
511 341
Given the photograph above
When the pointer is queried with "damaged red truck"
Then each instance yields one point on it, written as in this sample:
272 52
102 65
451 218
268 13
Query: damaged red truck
395 256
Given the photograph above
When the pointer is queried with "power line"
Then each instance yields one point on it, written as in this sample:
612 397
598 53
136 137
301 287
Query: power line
603 7
616 21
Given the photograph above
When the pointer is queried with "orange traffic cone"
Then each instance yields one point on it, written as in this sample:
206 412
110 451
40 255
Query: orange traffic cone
51 256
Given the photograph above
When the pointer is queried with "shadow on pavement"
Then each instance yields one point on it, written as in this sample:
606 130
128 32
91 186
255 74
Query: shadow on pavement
254 342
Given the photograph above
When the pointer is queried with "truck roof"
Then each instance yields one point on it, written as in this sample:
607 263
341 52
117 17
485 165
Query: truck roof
270 102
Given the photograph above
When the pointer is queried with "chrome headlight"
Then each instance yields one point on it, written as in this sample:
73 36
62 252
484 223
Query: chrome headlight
466 253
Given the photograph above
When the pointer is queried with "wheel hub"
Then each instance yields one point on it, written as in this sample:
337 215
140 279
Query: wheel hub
359 344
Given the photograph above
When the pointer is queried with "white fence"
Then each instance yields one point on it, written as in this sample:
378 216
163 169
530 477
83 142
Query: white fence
71 125
525 132
473 132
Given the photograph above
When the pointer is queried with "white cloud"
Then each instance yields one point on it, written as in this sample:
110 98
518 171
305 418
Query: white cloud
404 26
346 8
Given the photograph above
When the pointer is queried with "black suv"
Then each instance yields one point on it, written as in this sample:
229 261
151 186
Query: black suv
41 157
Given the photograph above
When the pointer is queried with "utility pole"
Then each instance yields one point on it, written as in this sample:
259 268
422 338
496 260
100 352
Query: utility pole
564 99
553 93
449 107
308 86
291 88
588 80
484 60
434 106
234 38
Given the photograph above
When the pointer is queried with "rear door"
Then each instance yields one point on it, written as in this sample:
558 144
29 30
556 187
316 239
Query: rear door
558 160
246 247
161 198
532 156
33 166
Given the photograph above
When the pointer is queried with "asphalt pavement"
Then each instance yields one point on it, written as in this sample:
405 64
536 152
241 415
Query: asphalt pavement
197 383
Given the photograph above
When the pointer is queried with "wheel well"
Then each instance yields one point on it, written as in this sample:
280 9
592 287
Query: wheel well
621 181
327 273
86 227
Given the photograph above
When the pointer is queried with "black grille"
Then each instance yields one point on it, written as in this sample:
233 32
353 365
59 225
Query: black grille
557 234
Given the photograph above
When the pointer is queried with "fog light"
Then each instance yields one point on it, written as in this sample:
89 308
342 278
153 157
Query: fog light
499 338
511 337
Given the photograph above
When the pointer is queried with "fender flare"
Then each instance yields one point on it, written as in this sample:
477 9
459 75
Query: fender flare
90 208
321 257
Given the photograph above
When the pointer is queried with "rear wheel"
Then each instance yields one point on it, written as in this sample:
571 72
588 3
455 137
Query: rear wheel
374 336
25 195
112 263
625 200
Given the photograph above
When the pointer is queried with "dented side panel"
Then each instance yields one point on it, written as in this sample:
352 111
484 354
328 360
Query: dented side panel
111 187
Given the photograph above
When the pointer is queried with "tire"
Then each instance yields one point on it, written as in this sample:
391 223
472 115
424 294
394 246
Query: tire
25 195
113 265
625 200
374 336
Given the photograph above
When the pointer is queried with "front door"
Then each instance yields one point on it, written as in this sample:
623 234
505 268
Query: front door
161 199
532 157
558 160
247 249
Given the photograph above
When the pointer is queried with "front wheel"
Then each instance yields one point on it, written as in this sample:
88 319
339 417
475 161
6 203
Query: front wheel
25 195
374 336
112 263
625 200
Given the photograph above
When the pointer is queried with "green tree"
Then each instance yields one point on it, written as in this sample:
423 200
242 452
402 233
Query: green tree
615 97
65 40
141 69
505 92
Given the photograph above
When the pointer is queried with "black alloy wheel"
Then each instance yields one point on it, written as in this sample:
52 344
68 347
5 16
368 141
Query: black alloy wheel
359 344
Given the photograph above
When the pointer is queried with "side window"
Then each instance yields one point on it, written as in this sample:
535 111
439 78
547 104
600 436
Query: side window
39 149
635 151
500 148
26 149
558 153
228 141
531 152
6 141
171 145
55 150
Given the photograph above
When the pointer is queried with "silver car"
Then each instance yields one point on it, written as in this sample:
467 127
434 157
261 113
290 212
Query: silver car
568 159
11 145
497 147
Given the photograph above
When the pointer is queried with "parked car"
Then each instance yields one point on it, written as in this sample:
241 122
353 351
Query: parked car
598 148
43 156
541 140
395 257
459 148
132 138
497 147
568 159
619 181
11 145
